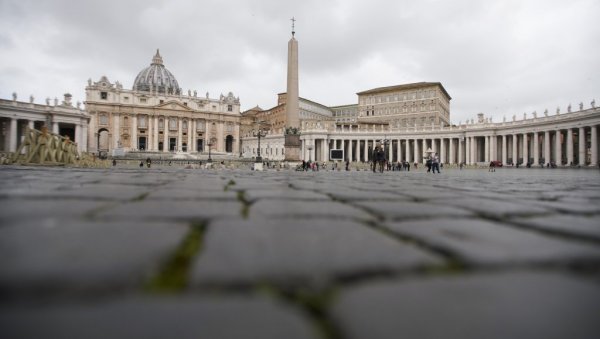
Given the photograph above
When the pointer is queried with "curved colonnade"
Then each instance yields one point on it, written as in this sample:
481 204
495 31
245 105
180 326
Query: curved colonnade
562 139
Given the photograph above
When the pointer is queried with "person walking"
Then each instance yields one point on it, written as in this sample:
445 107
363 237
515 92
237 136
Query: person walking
435 162
380 157
374 157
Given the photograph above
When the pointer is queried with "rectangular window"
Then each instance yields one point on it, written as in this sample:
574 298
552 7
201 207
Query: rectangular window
142 121
185 104
103 95
229 108
161 101
143 100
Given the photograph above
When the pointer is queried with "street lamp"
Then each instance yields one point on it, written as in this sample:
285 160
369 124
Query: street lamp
209 147
259 133
385 142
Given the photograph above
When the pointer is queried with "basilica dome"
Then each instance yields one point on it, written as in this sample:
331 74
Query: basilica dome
156 78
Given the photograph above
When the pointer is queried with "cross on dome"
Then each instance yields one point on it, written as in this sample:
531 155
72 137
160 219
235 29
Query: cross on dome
157 59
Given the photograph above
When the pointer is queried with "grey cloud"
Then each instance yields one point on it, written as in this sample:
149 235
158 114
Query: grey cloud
496 57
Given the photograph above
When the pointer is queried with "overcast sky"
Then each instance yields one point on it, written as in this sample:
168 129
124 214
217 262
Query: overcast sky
500 57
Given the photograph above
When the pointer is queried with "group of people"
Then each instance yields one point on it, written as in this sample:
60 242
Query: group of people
380 162
433 163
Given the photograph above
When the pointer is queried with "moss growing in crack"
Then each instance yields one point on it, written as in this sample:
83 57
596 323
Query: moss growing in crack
229 184
173 275
314 303
140 197
241 197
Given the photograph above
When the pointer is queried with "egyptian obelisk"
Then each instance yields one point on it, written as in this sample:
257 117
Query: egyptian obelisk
292 135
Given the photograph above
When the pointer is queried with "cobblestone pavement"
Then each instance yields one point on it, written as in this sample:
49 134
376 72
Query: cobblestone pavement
180 253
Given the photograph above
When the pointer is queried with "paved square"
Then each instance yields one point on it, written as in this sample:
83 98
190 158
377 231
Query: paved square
281 254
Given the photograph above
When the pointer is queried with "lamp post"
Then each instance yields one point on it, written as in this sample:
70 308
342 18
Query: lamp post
209 147
385 142
259 133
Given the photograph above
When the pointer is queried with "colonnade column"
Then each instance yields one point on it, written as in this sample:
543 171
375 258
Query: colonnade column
325 150
13 135
55 127
569 147
473 155
357 150
504 149
350 150
467 150
416 149
366 150
391 151
546 147
515 150
594 146
77 136
442 152
536 149
460 150
407 151
525 149
582 146
399 150
451 152
487 149
558 149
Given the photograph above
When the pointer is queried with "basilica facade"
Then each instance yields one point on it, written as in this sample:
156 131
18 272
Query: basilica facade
157 116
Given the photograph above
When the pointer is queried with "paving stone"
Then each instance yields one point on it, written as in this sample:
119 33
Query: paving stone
149 209
498 208
280 193
138 317
569 224
571 206
410 210
483 242
75 254
193 194
294 251
13 210
350 194
507 305
305 209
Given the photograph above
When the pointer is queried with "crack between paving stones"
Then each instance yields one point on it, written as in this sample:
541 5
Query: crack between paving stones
173 275
553 233
315 304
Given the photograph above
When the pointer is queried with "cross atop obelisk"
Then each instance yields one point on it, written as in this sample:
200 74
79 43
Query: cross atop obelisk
293 25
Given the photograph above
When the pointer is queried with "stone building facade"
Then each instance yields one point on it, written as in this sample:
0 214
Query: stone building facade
156 116
416 104
60 118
